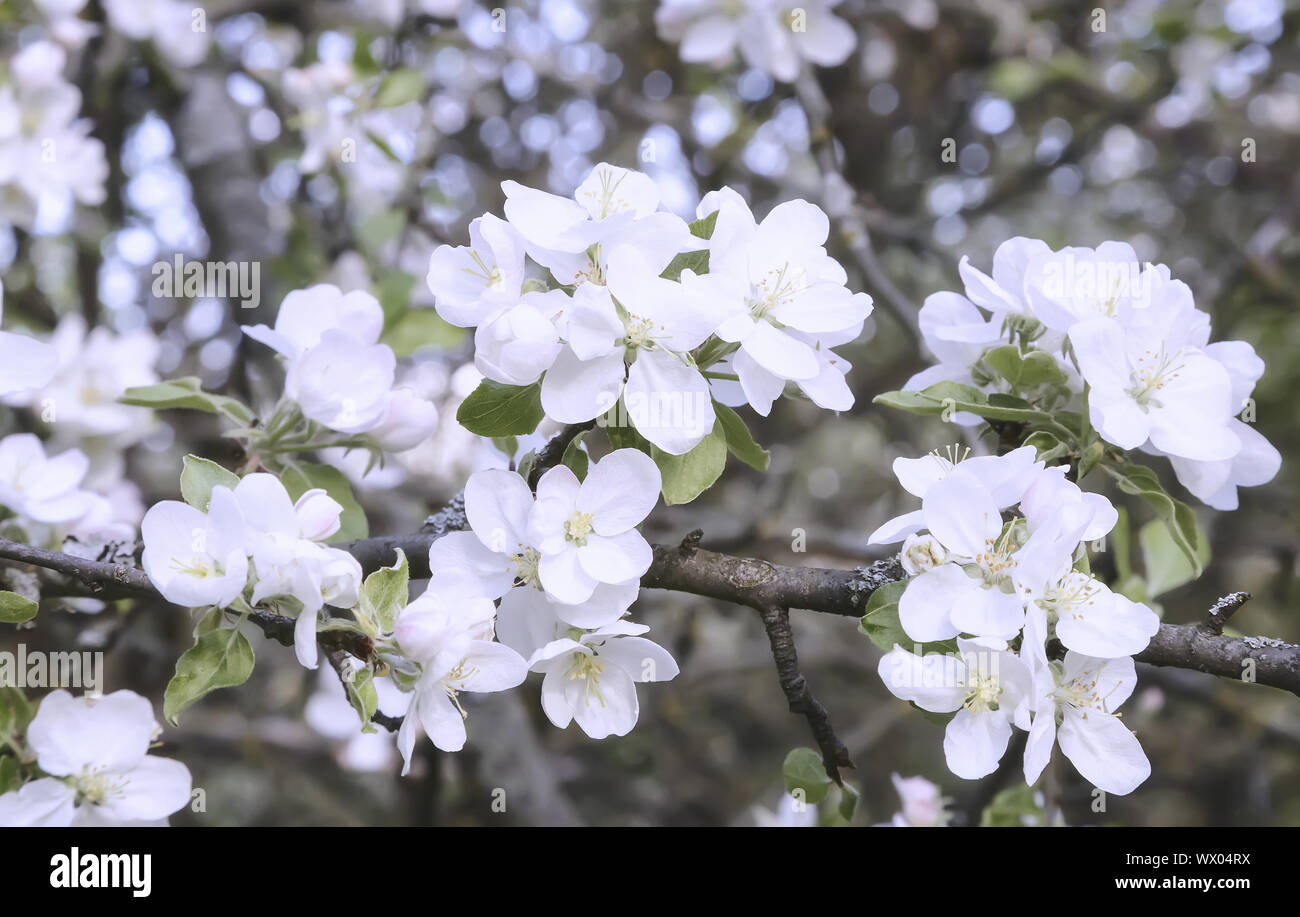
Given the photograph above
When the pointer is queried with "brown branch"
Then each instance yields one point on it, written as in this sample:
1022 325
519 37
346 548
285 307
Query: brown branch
776 621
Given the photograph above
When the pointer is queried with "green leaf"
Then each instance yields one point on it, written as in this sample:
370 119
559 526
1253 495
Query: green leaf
1024 371
574 458
1090 459
185 393
199 476
848 801
300 477
363 697
1048 446
1141 481
218 659
913 402
16 711
494 409
703 227
1165 564
15 608
421 328
379 228
393 290
695 261
10 777
406 84
803 770
687 476
384 594
739 440
1013 808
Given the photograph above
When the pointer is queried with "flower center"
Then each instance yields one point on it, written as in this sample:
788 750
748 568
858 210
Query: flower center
526 561
1149 374
775 289
589 669
639 333
492 275
198 567
605 200
578 528
982 693
95 787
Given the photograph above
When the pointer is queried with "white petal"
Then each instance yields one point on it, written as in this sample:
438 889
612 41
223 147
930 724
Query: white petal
620 491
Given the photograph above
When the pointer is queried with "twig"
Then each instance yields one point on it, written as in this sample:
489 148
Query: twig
776 620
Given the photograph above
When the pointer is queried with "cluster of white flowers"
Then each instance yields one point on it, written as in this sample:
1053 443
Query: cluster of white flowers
1126 334
771 35
96 753
767 312
90 371
253 543
1004 589
566 566
339 374
48 160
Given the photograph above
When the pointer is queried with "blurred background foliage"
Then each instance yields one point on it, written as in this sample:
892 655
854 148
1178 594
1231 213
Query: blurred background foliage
1175 126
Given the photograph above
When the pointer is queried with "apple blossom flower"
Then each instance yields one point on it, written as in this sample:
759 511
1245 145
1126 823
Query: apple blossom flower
306 315
585 532
339 373
611 207
343 384
408 421
520 343
986 685
91 370
769 35
1215 482
281 543
96 752
1147 385
924 805
991 566
25 363
42 489
471 283
592 679
196 558
1006 477
448 631
1074 703
498 551
775 278
639 352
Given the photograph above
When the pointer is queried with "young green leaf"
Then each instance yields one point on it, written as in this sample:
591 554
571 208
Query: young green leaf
494 409
186 393
15 609
805 773
687 476
199 476
384 594
218 659
739 440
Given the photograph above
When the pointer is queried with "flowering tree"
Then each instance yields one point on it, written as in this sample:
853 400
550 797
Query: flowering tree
422 441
